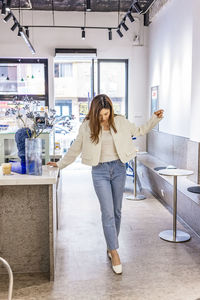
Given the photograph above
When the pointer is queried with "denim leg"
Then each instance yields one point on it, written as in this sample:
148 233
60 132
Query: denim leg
117 184
102 186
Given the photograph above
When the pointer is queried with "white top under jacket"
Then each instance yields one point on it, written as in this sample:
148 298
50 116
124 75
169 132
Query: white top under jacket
108 149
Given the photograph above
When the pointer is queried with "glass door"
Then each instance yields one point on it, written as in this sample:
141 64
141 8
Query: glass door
76 82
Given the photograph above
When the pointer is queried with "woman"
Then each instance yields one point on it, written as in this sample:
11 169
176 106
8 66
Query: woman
105 141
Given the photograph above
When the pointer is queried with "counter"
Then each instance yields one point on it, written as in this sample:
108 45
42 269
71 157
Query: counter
28 221
49 176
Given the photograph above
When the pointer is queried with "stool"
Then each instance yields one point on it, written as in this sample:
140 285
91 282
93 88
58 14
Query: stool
10 289
159 168
194 189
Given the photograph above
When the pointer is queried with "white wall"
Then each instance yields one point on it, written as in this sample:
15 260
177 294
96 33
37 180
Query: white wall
170 64
174 65
195 92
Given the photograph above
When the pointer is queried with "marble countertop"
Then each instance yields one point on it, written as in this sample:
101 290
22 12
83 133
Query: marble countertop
175 172
49 176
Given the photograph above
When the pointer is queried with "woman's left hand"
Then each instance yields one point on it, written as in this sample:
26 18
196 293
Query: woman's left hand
159 113
52 164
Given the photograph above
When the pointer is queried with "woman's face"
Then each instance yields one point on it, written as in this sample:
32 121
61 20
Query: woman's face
104 115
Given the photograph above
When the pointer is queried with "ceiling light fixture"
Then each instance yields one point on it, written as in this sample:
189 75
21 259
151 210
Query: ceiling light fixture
8 5
14 25
119 32
129 15
83 32
124 25
137 7
3 8
135 4
7 18
25 37
19 30
22 31
88 5
27 31
109 34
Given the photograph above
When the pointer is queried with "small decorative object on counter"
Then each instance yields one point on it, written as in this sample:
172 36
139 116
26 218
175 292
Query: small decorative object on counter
6 168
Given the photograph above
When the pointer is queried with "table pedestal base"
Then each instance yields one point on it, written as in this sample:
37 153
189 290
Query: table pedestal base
181 236
137 197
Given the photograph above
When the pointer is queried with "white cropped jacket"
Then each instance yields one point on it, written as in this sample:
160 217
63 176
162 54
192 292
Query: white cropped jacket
122 140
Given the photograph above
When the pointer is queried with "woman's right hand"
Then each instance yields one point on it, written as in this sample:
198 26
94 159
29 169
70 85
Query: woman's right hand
52 163
159 113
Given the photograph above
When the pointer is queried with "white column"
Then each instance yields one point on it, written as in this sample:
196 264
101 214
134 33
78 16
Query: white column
195 84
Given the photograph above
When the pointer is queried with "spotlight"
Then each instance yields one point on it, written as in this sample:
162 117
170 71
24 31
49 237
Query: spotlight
7 18
124 26
28 43
119 32
14 26
109 34
3 8
83 33
129 15
137 7
27 31
8 5
19 31
88 5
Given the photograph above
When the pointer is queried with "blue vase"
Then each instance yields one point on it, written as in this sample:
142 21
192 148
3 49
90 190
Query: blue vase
20 137
33 156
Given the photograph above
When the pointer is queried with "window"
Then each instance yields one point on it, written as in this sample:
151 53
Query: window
63 70
113 81
19 77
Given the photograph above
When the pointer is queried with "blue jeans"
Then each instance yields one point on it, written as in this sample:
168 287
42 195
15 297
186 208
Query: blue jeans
109 181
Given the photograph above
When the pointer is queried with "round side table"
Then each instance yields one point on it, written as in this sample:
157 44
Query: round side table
175 236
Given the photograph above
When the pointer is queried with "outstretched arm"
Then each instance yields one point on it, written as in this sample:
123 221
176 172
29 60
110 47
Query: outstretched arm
72 152
143 129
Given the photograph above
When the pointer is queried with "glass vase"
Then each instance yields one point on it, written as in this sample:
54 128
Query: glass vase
20 137
33 156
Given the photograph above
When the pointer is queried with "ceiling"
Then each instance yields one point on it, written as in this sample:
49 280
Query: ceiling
78 5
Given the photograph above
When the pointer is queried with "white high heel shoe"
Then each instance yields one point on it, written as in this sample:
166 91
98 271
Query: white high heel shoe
116 269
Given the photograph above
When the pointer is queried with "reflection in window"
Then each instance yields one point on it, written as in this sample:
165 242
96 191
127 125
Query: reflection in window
63 70
113 83
72 79
22 79
8 79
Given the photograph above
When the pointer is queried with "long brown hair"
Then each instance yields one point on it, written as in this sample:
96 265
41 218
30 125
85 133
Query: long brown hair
98 103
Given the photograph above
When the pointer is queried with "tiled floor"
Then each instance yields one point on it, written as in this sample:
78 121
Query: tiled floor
152 268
